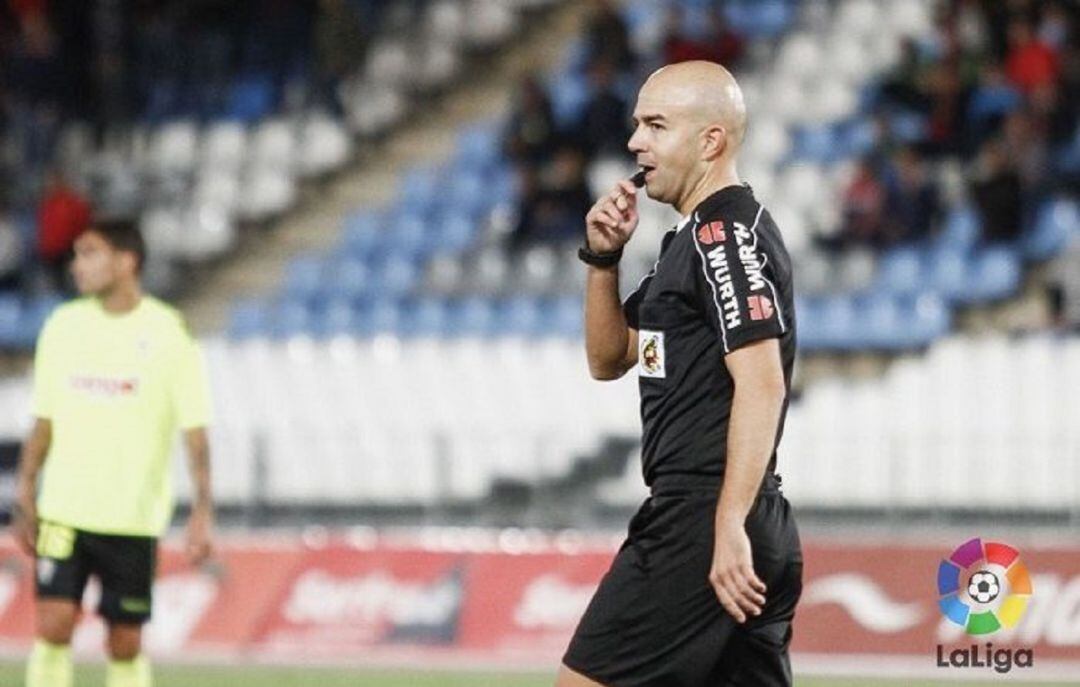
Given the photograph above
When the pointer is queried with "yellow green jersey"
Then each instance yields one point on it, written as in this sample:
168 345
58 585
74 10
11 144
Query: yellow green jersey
116 388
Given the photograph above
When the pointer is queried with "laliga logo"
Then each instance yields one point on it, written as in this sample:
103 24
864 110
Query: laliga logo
984 588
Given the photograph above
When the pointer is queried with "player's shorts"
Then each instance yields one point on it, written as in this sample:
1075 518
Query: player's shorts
655 620
125 566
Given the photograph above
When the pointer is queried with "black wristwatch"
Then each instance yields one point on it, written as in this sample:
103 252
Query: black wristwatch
590 257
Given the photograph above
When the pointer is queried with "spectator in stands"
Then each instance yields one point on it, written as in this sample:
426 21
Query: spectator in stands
864 203
913 204
996 190
34 87
552 210
949 96
62 215
531 134
604 128
904 85
1030 62
340 45
10 253
714 42
1026 148
607 37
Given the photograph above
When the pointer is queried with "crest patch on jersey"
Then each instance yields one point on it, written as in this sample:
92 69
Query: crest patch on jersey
651 354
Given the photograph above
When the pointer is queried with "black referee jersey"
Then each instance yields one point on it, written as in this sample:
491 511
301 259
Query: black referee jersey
722 280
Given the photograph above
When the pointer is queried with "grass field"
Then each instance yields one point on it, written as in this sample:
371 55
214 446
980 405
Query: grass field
174 676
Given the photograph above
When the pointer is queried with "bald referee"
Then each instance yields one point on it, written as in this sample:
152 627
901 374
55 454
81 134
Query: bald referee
703 591
116 375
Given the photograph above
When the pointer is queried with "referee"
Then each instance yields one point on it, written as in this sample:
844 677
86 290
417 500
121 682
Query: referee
703 591
115 375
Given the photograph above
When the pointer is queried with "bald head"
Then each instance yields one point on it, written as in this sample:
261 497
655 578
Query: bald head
704 91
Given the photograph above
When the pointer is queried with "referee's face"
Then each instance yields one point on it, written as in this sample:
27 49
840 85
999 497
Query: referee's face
97 266
663 144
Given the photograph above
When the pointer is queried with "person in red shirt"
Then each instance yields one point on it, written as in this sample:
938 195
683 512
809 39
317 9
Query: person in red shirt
62 215
1030 62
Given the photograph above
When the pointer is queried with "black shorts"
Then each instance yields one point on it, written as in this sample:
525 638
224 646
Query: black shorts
655 620
125 566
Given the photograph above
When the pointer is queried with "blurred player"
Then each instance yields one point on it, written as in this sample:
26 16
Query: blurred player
703 591
116 373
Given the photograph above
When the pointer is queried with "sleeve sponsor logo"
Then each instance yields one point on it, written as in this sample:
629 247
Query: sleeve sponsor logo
749 257
761 308
721 274
711 233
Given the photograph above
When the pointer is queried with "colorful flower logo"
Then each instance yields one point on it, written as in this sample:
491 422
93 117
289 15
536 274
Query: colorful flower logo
983 587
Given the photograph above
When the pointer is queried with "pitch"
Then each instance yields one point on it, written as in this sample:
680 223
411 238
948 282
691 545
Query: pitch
188 676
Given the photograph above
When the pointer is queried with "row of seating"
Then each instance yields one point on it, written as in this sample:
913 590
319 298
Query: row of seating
396 422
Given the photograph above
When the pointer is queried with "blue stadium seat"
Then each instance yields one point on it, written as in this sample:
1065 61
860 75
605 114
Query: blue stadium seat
519 316
755 18
456 233
1057 221
469 195
363 232
409 235
11 321
926 317
947 272
249 319
472 317
251 98
995 274
395 277
479 147
564 317
900 271
808 316
855 138
335 318
419 188
351 278
305 277
989 102
880 324
383 316
961 229
292 318
569 96
820 144
838 323
425 317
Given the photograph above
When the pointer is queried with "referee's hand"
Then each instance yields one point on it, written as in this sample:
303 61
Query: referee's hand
738 587
612 220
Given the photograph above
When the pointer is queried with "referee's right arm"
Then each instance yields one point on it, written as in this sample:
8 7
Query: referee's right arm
610 344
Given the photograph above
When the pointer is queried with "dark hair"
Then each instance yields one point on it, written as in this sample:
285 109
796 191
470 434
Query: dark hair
122 235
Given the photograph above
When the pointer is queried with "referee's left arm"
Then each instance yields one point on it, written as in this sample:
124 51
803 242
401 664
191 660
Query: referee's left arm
758 377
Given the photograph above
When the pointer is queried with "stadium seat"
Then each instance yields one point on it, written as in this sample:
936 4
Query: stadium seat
900 271
1057 222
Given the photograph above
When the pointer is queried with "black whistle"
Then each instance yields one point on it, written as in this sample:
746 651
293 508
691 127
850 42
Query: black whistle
638 179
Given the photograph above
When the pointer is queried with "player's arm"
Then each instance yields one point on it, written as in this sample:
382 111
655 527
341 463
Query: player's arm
610 344
200 525
31 458
758 376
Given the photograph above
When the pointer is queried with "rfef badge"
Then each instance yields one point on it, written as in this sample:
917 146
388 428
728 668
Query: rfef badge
651 354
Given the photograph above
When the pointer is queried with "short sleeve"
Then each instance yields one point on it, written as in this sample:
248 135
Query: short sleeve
45 373
190 393
633 302
736 285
